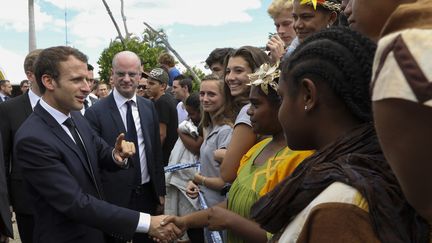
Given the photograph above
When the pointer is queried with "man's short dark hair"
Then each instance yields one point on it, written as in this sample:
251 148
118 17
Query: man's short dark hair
3 82
179 77
186 82
25 81
218 56
48 62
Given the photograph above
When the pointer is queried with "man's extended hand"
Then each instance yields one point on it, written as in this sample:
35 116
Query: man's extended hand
178 221
123 149
276 46
162 231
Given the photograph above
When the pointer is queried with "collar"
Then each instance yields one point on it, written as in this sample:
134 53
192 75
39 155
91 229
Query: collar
121 100
34 98
58 116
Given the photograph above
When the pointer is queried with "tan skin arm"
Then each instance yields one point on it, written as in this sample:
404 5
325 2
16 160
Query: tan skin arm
243 138
191 144
219 155
215 183
162 132
404 129
220 218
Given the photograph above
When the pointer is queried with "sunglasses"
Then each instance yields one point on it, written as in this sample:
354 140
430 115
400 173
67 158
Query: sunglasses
141 86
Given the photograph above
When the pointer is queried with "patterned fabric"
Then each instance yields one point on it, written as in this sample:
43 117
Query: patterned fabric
402 67
354 159
254 181
336 192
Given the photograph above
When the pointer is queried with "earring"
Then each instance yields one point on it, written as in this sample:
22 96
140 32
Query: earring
328 26
306 107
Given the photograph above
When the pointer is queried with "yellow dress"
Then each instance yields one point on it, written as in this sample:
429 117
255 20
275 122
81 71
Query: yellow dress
254 181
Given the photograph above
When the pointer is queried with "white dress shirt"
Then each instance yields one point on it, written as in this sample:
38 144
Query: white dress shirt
33 98
122 106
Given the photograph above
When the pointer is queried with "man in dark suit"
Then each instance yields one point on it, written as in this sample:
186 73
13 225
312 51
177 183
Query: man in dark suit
5 90
91 98
5 215
142 186
13 113
59 155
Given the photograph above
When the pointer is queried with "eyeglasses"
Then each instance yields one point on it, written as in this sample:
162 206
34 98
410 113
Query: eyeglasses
141 86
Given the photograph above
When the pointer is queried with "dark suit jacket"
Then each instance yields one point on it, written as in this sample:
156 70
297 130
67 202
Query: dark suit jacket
13 113
67 205
93 100
5 215
105 118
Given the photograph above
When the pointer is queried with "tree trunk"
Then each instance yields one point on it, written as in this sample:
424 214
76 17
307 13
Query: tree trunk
32 32
115 24
124 19
167 44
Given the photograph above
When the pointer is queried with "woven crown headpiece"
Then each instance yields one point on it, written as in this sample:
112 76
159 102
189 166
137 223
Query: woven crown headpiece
265 77
330 5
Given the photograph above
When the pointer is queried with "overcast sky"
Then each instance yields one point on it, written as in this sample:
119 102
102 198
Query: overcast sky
194 27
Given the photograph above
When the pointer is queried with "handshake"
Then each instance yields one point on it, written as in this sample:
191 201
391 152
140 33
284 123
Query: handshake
169 228
165 228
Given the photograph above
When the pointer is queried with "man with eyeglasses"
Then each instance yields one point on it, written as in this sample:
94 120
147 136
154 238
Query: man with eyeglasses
142 186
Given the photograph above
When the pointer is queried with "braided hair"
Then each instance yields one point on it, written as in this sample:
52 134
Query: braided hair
342 59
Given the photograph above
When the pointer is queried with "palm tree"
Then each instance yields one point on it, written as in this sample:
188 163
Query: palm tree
32 32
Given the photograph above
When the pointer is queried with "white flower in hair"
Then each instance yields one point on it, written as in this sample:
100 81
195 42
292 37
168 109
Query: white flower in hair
265 76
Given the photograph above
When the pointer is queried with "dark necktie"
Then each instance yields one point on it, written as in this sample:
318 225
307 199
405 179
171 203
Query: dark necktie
86 104
131 136
69 123
5 98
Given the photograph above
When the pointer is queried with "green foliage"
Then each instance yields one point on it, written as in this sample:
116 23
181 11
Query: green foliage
196 83
152 38
147 54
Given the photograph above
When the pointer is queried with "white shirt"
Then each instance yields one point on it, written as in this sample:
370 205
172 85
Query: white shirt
33 98
93 96
122 106
144 219
181 112
2 96
89 103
